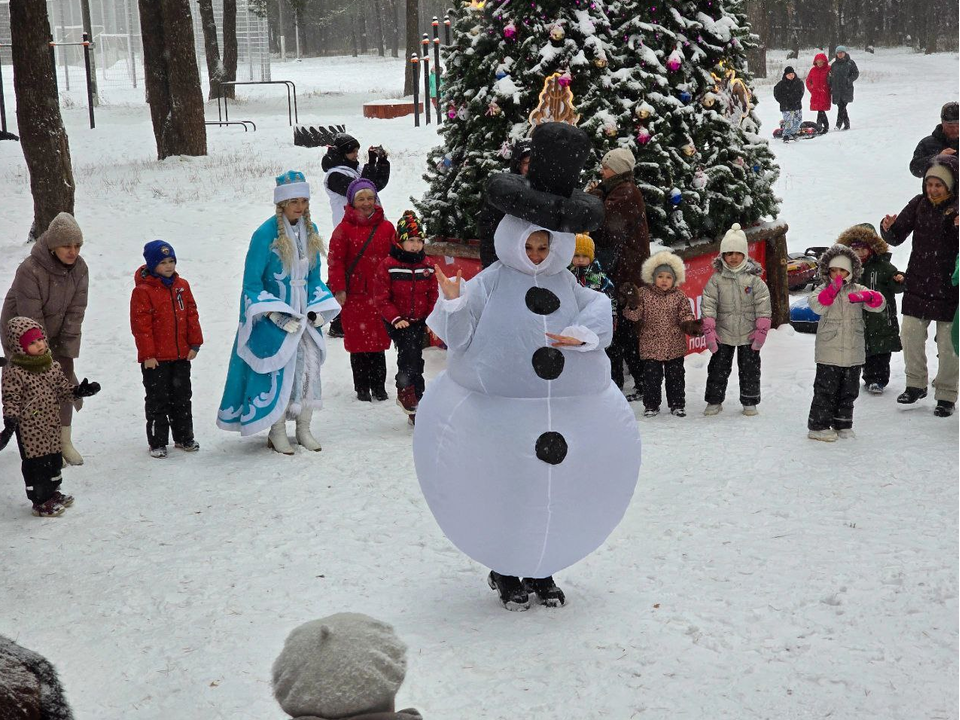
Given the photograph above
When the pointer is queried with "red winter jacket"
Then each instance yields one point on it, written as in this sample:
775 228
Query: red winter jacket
363 330
406 286
817 84
164 320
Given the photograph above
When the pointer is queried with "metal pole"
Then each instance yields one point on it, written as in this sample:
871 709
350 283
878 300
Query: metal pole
296 30
436 64
88 69
446 30
3 109
131 66
88 57
283 37
415 61
425 61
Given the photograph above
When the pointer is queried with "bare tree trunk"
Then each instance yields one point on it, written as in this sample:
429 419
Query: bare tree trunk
413 42
42 135
377 8
172 78
353 35
229 46
362 29
210 47
394 25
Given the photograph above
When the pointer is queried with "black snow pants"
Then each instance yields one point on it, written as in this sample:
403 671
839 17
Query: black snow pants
654 372
843 120
41 475
625 347
823 122
718 372
877 369
409 344
834 391
167 404
369 371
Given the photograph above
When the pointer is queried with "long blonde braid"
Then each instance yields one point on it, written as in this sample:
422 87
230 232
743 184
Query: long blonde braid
284 245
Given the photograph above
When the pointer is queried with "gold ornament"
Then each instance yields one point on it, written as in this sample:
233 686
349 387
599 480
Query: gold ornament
555 103
600 62
557 33
610 130
643 113
709 100
689 150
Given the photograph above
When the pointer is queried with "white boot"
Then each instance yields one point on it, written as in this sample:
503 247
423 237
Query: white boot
713 409
277 439
304 436
67 450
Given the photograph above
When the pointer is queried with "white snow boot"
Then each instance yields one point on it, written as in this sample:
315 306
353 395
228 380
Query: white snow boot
713 409
828 435
277 439
750 410
304 436
67 450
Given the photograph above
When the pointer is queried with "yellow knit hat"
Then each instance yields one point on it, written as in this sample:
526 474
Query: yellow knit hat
584 246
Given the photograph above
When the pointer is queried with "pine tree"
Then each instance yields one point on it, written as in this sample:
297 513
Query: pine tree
495 71
667 81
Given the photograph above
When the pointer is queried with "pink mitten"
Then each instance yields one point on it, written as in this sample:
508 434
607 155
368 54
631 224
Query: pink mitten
710 333
870 298
759 336
830 292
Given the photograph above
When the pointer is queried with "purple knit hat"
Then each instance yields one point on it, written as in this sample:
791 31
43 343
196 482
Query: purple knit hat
361 184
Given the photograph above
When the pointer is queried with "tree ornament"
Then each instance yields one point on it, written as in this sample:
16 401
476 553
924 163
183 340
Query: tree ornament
493 109
557 32
600 62
509 30
565 79
709 100
675 60
610 129
644 110
475 30
699 179
500 74
689 149
685 96
555 102
452 112
740 161
643 136
463 113
676 197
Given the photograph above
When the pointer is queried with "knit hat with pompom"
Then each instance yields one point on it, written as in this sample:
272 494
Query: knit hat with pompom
409 226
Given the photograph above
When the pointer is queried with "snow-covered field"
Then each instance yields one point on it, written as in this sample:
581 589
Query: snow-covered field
757 574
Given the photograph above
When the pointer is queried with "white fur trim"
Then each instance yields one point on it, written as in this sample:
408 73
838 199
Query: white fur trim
291 191
664 257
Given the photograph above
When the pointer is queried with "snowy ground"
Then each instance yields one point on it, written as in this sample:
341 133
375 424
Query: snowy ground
757 574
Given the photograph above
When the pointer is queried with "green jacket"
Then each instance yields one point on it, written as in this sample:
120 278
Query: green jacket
882 328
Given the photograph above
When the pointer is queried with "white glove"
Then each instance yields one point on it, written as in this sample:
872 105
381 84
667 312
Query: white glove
285 322
316 319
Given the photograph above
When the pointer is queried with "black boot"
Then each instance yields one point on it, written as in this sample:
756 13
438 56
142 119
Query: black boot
380 394
546 590
944 408
510 589
911 395
363 394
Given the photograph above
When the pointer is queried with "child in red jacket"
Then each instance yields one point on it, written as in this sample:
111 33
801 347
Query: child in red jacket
166 326
819 90
406 293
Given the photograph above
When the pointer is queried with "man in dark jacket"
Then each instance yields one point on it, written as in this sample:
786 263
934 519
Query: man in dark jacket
943 139
622 244
929 295
843 73
789 93
489 216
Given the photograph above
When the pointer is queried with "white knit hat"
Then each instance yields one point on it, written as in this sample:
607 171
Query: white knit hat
292 184
734 241
941 173
620 160
341 665
841 261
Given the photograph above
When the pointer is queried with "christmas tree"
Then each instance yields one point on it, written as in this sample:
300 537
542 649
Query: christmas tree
668 81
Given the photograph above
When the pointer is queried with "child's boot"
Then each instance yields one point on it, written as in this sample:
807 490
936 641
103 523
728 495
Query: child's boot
713 409
750 410
277 439
50 508
407 399
304 436
67 450
828 435
846 434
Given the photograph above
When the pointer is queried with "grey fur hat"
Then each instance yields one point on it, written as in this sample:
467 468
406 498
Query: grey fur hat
341 665
833 252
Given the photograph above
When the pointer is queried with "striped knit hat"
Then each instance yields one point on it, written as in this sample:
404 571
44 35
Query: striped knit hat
408 226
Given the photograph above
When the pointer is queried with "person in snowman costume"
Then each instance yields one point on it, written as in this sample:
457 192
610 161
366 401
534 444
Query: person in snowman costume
274 371
508 438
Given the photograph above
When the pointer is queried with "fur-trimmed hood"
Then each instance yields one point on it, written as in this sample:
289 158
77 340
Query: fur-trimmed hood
664 257
752 268
864 234
17 326
833 252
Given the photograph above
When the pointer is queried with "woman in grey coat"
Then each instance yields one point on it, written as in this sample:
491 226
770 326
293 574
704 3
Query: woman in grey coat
843 73
51 287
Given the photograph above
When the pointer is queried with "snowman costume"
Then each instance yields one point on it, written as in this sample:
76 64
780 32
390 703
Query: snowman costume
507 439
274 373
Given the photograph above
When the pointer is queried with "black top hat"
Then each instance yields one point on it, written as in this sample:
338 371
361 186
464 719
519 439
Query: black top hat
548 195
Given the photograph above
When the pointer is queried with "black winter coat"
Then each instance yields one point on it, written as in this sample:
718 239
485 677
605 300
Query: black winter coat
928 148
789 93
843 73
377 170
882 329
929 293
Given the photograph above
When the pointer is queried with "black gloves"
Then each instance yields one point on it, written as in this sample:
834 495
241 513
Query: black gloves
86 389
9 428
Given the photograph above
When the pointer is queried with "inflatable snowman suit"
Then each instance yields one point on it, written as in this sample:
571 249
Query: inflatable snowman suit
528 454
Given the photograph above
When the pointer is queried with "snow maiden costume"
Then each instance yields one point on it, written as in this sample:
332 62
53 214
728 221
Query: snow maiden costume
508 438
274 371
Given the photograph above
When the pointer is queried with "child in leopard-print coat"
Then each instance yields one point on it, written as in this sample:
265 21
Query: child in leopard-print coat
664 319
33 387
